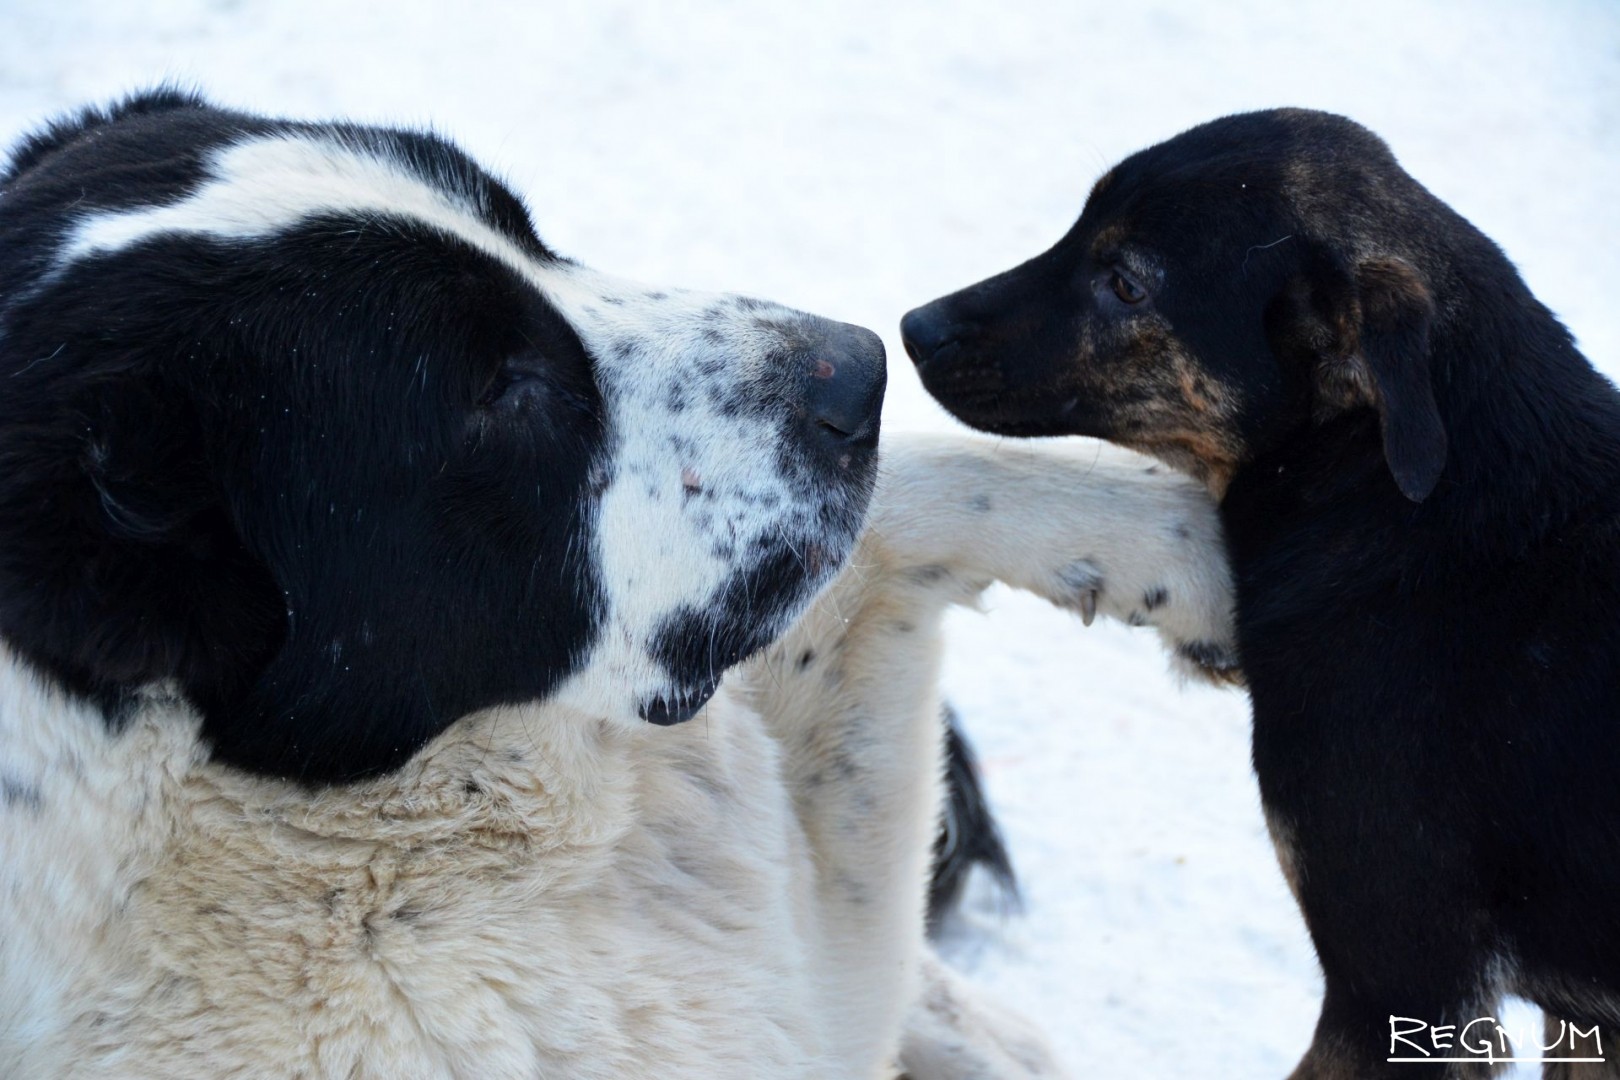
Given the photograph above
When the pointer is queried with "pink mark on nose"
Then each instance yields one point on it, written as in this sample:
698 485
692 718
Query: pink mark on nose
824 370
689 480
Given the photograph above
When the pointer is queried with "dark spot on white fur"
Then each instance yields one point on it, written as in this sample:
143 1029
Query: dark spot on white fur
1207 654
18 794
854 890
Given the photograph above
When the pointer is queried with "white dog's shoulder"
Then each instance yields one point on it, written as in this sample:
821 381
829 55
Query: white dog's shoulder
512 904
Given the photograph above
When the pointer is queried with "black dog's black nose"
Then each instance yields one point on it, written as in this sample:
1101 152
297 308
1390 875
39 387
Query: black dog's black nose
926 330
846 380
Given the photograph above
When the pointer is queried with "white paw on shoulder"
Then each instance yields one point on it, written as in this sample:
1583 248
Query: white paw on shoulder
1173 577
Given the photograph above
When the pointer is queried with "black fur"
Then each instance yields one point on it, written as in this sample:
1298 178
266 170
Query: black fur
276 474
59 133
968 834
1421 483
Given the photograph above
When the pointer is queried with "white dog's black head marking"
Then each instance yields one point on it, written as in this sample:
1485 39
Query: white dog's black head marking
305 419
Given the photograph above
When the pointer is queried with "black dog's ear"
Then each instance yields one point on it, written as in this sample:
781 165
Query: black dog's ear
1396 313
1365 329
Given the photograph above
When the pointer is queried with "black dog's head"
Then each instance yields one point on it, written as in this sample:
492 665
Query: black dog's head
1252 275
304 421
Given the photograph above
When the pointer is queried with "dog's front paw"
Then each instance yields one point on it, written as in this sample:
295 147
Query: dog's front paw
1184 594
1194 610
1079 586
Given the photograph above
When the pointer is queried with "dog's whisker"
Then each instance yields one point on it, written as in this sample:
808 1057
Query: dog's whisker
1243 270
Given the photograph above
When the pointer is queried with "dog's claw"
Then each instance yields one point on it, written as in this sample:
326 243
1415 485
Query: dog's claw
1088 606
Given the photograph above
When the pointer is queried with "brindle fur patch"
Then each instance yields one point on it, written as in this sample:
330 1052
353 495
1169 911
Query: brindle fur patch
1164 403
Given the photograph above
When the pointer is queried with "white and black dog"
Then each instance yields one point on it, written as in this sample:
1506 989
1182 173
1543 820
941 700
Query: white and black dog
357 554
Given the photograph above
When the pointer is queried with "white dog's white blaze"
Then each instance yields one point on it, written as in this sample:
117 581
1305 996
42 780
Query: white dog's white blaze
663 546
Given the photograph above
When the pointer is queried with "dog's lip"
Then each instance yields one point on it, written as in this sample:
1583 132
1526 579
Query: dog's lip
667 710
996 419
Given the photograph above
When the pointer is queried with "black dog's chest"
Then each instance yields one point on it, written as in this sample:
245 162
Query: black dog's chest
1387 661
1320 550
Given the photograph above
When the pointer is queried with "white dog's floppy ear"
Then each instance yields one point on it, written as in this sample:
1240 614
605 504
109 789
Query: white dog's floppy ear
122 567
1364 327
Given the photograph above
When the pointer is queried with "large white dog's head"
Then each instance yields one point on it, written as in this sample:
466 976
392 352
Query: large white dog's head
305 420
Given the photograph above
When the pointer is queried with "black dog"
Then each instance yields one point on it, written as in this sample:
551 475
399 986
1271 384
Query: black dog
1420 478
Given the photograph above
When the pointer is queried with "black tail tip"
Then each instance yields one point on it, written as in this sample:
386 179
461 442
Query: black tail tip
968 834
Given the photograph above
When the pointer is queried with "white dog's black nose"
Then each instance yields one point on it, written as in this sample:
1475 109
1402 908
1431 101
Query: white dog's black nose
844 389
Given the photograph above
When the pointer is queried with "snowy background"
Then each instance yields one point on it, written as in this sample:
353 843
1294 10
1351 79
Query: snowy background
857 158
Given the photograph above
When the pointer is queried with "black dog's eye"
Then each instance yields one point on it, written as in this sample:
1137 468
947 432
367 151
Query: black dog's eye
1127 290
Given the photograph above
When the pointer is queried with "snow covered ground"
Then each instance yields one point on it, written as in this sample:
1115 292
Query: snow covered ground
857 158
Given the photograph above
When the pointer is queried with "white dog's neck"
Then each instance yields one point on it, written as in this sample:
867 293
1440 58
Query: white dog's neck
505 882
536 775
